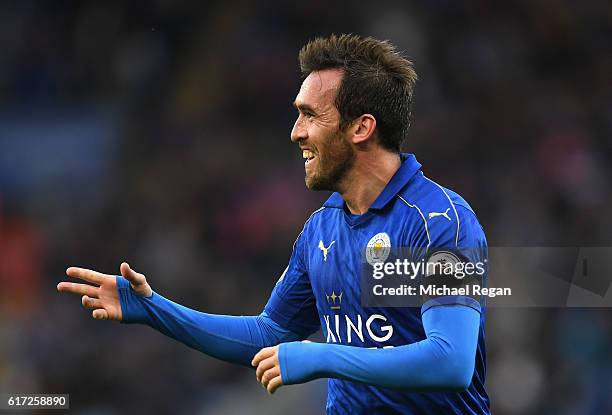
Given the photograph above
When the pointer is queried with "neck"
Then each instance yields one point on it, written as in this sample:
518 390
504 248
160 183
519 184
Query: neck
367 179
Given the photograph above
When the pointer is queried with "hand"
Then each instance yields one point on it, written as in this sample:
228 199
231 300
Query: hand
103 298
268 368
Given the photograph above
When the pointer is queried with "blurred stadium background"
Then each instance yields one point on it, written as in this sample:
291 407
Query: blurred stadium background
158 132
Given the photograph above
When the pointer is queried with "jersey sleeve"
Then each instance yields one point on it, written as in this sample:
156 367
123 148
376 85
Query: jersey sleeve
443 361
460 240
292 303
235 339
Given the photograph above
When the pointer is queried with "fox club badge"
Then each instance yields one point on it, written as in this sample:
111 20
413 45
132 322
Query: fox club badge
378 248
442 261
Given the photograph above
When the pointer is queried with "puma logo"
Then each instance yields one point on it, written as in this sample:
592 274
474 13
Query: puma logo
445 214
324 249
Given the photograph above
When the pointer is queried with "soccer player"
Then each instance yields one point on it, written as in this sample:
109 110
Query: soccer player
353 113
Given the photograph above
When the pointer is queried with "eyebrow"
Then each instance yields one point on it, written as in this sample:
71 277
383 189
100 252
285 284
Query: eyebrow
303 107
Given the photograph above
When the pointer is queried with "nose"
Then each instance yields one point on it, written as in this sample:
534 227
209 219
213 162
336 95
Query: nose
299 132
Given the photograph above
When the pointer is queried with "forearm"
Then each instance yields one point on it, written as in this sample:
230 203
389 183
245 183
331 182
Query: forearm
443 361
234 339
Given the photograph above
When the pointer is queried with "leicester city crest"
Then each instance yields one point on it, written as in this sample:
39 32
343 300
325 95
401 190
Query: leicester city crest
378 248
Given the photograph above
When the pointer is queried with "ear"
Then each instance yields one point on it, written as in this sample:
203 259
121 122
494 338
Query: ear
363 128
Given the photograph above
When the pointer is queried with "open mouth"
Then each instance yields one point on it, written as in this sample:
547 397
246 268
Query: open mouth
308 155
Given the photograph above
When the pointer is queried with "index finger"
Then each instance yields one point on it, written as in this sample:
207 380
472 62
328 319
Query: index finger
86 274
262 354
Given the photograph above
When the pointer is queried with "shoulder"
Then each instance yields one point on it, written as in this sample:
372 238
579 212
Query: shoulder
447 218
317 217
322 218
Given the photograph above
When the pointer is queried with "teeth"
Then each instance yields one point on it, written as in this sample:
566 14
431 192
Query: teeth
307 154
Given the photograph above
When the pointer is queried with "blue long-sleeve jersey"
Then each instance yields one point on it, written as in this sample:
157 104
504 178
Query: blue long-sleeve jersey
432 359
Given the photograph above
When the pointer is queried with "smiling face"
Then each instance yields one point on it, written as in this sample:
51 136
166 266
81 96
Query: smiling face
328 153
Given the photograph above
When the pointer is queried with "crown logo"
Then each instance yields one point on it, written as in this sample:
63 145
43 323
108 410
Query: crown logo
334 300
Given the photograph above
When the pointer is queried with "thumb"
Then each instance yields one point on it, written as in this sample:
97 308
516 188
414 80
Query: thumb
132 276
137 280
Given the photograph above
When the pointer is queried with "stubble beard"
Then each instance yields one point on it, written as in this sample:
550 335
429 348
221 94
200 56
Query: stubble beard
335 161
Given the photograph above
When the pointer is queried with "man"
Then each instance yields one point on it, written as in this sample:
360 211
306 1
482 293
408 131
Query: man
353 113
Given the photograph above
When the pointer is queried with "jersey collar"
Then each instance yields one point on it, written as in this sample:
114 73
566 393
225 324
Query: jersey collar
410 166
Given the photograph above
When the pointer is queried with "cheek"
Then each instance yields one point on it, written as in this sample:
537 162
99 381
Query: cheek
325 139
316 136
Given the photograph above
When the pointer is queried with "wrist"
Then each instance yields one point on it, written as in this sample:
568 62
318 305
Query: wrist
132 306
302 361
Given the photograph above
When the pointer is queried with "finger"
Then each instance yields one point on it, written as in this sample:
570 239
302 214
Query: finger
274 384
75 288
91 303
269 375
261 355
86 274
100 314
263 366
131 275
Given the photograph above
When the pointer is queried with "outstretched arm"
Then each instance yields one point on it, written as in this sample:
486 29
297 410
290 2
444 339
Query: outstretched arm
443 361
130 299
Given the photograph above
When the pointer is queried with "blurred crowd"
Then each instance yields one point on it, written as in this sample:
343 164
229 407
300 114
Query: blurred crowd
158 133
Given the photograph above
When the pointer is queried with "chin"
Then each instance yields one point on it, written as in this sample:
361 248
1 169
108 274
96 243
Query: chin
311 184
316 184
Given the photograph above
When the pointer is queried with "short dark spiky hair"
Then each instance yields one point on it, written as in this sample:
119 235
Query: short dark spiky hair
377 80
